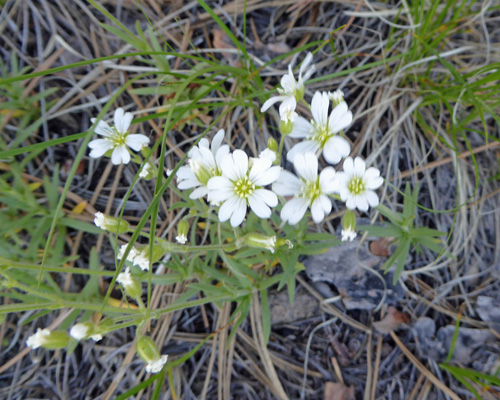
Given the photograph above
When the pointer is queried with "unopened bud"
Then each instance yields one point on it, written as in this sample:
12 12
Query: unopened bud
111 224
336 97
349 226
284 242
148 352
272 144
148 172
260 241
182 231
85 330
130 285
48 340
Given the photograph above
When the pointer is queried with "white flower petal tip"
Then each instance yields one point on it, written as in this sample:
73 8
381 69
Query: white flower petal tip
156 366
348 235
38 339
356 184
182 239
117 138
79 331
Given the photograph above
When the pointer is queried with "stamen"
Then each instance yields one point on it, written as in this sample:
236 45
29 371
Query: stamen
356 185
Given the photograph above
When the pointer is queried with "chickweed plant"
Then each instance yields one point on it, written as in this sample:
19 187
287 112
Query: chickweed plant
239 214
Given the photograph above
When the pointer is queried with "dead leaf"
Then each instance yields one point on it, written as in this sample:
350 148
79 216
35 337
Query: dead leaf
338 391
380 247
392 321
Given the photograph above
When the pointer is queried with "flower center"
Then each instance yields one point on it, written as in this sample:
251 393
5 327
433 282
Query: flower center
118 138
356 185
201 171
321 133
244 187
311 190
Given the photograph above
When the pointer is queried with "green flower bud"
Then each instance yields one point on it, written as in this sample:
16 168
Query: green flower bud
148 172
131 286
148 352
349 226
111 224
272 144
284 242
182 231
260 241
48 340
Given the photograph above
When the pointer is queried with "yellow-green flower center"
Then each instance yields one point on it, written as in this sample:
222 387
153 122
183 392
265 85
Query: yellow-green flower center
244 187
356 185
201 171
311 190
321 134
118 138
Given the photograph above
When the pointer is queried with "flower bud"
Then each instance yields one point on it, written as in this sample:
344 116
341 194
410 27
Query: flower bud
182 231
336 97
148 352
111 224
48 340
130 285
272 144
284 242
348 226
85 330
288 116
260 241
148 171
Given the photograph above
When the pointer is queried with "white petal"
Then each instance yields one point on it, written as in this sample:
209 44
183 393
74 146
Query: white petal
203 143
349 166
307 146
317 211
99 147
228 168
199 193
136 142
306 166
185 172
259 207
326 203
361 202
239 213
270 102
301 128
359 166
188 183
345 193
103 128
122 120
372 198
351 202
217 141
288 82
120 155
289 103
267 176
220 188
335 149
293 211
340 118
221 153
207 157
305 63
287 184
327 180
374 183
266 196
227 208
319 108
240 163
371 173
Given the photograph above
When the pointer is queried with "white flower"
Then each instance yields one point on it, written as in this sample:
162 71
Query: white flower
182 238
241 185
356 184
204 163
291 90
79 331
321 133
156 365
116 138
147 171
130 256
310 190
336 97
142 260
99 219
348 235
96 338
125 278
38 339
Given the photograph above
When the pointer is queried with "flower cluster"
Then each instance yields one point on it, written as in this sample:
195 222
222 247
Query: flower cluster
232 181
